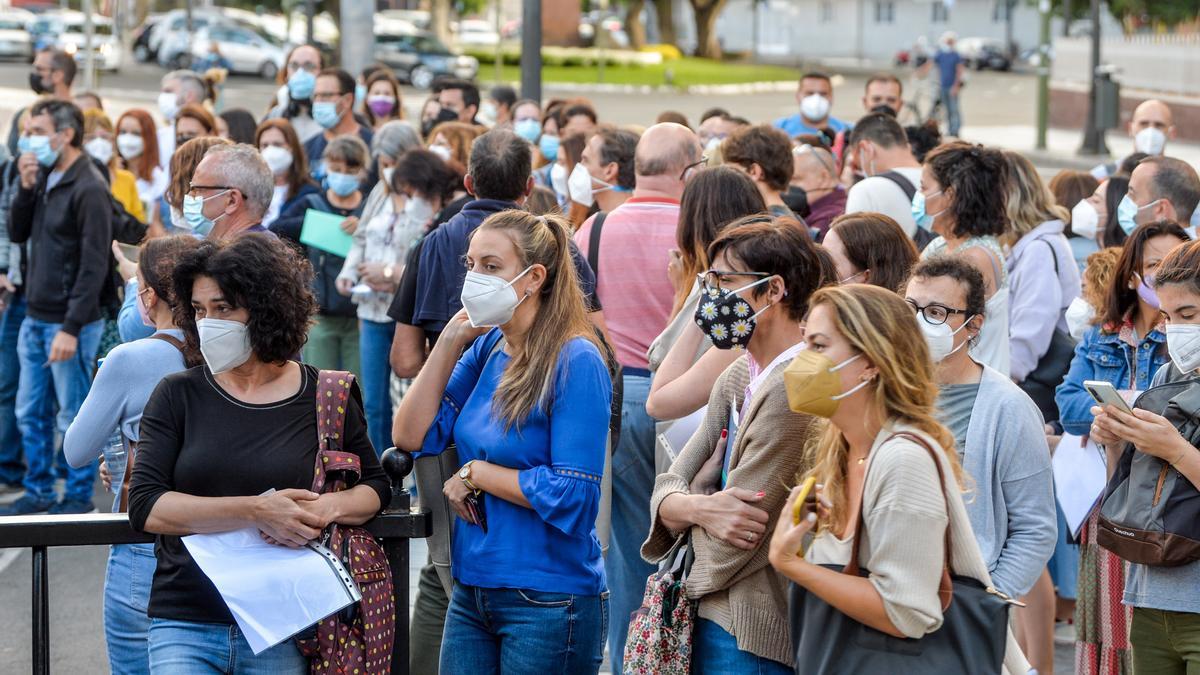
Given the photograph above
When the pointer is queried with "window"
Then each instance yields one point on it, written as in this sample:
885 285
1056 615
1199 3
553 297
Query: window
826 11
940 13
1001 9
885 11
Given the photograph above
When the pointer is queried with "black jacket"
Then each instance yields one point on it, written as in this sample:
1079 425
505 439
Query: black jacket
69 230
326 266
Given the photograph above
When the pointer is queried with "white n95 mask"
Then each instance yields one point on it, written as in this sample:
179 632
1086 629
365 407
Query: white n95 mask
489 300
224 344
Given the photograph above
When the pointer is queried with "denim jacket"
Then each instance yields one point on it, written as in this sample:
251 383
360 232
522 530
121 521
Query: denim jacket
1104 355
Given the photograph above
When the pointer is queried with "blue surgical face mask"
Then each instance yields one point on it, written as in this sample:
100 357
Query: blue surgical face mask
325 113
924 220
360 94
1127 213
301 84
193 214
342 184
40 147
549 147
529 129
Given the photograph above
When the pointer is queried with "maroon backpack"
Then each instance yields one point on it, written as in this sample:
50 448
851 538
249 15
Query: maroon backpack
359 638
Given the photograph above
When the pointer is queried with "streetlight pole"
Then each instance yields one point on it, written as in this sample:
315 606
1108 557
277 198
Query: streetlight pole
1093 135
531 50
1043 70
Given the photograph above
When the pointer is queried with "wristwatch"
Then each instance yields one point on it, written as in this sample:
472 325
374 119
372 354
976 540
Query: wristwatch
464 474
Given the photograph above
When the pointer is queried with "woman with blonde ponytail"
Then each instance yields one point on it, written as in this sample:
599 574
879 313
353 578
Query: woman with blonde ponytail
527 405
867 369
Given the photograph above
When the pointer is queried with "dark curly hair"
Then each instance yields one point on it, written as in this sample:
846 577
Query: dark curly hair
959 269
267 277
976 179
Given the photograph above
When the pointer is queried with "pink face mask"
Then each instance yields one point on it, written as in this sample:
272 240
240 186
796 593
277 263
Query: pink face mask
142 311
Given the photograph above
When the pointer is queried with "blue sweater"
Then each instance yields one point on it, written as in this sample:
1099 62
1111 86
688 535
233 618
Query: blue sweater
1102 355
559 454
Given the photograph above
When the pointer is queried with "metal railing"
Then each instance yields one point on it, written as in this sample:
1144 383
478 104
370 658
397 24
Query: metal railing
398 523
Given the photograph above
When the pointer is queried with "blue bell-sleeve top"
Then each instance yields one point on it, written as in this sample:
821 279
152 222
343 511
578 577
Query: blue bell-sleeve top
558 451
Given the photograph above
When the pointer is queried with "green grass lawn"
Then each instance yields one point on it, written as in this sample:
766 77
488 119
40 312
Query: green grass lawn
685 72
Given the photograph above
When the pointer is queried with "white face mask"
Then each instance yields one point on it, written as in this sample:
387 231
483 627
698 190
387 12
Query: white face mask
101 149
278 159
1085 222
387 176
580 184
1078 316
1183 344
1150 141
940 338
490 300
814 107
224 344
418 210
558 180
168 105
130 145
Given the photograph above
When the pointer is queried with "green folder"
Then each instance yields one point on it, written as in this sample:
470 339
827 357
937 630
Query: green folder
324 231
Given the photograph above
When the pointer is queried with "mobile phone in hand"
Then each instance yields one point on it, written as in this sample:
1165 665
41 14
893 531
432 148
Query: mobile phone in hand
1106 394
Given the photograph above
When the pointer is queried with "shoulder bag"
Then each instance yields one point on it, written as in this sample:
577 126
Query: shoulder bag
659 641
1053 366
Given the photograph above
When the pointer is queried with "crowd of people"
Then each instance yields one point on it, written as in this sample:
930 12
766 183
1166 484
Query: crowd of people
626 339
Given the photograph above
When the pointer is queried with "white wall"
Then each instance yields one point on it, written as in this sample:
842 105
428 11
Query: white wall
1168 64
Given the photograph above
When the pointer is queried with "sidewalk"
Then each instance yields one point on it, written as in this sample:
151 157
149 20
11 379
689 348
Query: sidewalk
1062 146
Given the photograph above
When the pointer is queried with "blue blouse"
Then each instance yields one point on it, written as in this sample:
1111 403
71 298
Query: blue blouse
559 454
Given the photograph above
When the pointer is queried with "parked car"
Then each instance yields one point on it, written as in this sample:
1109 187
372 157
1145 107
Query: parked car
15 41
420 58
246 51
106 49
475 33
981 53
45 29
141 39
169 36
416 17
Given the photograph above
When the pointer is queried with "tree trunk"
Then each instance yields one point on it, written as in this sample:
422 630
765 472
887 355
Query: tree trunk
706 12
633 24
664 11
439 19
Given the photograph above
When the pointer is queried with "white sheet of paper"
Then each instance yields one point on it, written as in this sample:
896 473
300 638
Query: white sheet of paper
1079 478
681 431
273 591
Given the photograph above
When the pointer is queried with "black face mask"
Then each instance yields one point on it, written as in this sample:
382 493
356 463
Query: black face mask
37 84
797 200
444 115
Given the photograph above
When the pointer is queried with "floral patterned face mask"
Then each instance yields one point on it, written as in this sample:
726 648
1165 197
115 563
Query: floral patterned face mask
725 317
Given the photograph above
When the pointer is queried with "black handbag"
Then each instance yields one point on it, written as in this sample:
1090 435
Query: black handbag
972 637
1052 367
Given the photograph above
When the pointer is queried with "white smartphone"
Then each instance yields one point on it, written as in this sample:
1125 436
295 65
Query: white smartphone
1106 394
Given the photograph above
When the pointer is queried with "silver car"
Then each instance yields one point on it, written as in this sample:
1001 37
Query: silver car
244 50
15 42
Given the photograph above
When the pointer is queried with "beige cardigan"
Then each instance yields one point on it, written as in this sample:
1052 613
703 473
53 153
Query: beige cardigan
738 589
902 545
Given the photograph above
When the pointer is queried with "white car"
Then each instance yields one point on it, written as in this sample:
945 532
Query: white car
106 49
14 34
246 51
475 32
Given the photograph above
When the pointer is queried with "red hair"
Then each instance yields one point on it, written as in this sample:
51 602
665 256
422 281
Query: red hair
149 158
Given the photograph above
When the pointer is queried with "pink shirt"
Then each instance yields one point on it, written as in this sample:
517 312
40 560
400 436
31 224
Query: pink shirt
634 290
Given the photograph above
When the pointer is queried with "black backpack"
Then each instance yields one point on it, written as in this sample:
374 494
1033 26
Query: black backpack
922 236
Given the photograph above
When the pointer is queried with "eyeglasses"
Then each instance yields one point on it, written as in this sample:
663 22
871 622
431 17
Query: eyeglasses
193 189
712 279
936 314
689 167
819 153
310 67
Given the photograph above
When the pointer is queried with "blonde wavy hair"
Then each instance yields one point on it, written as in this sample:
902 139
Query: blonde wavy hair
1030 202
528 382
881 327
1101 266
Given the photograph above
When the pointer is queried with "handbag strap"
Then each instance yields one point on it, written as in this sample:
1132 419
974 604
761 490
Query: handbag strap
945 587
333 396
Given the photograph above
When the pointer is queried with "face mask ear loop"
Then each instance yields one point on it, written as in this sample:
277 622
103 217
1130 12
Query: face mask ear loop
853 389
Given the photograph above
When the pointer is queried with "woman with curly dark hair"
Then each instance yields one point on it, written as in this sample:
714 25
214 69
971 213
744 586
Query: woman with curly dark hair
216 439
962 199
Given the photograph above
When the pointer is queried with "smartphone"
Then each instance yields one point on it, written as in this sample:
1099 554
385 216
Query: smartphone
131 253
1106 394
806 501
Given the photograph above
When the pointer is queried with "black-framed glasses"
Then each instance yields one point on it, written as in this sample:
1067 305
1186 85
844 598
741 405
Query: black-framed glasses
310 67
193 188
712 279
935 313
689 167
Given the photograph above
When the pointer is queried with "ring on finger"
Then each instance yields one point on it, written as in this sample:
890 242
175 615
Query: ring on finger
749 536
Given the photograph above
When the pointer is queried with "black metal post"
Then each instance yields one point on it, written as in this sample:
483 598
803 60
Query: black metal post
41 611
397 465
309 10
1093 135
531 50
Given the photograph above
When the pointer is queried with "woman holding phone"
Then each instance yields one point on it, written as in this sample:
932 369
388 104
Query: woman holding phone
1164 631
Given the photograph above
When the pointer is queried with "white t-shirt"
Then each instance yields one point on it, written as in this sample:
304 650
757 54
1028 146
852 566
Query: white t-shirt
882 195
166 146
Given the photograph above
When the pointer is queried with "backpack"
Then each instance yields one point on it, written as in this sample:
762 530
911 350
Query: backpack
359 638
1150 513
922 236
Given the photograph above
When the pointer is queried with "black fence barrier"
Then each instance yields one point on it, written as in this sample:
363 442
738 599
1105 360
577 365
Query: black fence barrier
398 523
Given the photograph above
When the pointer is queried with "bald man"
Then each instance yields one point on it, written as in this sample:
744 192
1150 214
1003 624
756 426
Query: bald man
1151 126
629 249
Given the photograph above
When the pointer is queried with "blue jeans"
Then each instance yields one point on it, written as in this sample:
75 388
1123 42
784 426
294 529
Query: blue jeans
191 648
715 651
12 468
508 630
953 115
633 481
126 595
375 344
71 380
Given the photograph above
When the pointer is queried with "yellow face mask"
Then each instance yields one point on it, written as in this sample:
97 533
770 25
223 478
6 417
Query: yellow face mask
813 386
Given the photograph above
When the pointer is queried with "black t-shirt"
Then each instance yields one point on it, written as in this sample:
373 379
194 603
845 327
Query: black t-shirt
199 440
405 300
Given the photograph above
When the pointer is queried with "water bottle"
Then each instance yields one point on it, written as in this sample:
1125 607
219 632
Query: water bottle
115 457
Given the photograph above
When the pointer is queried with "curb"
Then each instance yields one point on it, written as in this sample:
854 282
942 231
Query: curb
697 89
